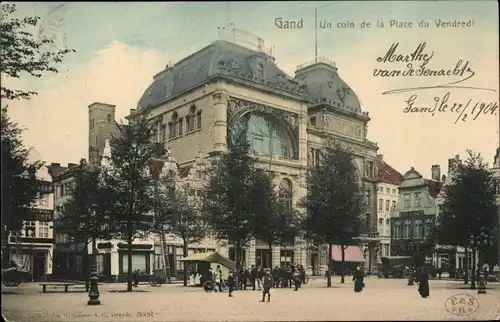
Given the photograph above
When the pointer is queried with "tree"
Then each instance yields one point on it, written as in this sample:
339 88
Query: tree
226 203
334 203
23 53
272 222
130 183
20 186
85 213
179 214
469 210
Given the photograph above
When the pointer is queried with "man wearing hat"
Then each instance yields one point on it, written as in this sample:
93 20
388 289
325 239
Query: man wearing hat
231 283
267 283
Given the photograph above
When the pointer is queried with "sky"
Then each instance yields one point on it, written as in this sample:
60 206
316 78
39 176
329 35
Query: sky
120 46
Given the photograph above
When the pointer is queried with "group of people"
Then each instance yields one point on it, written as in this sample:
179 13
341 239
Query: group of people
284 277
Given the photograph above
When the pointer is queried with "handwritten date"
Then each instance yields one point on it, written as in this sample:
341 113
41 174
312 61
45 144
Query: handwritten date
467 110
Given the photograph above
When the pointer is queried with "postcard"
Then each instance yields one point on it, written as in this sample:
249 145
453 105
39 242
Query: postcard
409 88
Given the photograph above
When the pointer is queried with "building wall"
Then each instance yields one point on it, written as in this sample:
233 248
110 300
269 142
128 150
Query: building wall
387 199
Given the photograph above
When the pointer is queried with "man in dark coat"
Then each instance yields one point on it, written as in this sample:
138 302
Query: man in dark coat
253 276
136 278
423 283
267 283
276 276
231 283
243 279
358 278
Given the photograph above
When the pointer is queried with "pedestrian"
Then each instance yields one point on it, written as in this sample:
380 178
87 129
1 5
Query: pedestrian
486 269
423 283
260 275
296 279
230 283
267 283
253 276
136 278
276 276
358 279
218 278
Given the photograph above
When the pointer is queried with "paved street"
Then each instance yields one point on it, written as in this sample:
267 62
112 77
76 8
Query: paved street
382 299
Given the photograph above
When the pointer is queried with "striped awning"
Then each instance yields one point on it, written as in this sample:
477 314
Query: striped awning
353 254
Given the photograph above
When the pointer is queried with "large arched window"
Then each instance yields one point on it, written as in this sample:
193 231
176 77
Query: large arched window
266 136
285 194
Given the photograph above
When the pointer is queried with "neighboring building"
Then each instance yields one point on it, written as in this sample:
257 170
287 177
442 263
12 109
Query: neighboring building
199 99
415 213
389 180
32 249
496 175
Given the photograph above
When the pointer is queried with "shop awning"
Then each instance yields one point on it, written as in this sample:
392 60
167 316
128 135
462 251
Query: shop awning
353 254
209 257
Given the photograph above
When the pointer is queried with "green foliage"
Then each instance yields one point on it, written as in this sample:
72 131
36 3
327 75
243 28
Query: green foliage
178 214
469 208
129 182
226 204
22 53
334 202
272 222
20 186
86 213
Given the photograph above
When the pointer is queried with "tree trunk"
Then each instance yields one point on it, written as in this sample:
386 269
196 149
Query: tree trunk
86 266
329 273
466 266
342 273
129 268
473 270
237 249
270 257
185 264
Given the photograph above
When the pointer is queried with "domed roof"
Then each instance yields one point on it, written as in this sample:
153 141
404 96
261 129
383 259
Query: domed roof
219 58
323 85
413 178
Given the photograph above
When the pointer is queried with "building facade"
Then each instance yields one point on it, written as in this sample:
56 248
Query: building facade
289 121
32 248
389 180
496 175
414 216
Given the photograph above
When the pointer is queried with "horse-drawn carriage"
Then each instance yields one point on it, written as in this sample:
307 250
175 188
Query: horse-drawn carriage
14 275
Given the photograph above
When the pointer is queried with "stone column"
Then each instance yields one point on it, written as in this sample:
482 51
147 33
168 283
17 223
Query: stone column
220 121
276 255
250 258
300 252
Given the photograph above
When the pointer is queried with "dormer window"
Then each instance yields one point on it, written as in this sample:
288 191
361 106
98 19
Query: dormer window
313 121
260 71
234 65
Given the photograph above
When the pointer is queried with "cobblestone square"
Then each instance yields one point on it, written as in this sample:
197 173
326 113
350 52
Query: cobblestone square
382 299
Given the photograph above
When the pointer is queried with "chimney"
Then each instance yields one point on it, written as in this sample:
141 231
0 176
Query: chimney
436 172
443 178
381 157
453 164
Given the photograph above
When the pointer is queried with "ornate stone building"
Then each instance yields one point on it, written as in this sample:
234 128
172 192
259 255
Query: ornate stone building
389 180
288 118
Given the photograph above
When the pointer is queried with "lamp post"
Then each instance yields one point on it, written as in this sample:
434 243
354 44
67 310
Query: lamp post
484 239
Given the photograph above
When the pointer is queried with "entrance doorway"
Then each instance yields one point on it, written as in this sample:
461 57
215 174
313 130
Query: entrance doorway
314 264
39 266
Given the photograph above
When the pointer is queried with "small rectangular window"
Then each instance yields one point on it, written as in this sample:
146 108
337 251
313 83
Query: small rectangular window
180 127
198 120
171 130
313 121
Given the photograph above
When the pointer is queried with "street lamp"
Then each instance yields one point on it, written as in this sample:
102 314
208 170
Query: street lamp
484 239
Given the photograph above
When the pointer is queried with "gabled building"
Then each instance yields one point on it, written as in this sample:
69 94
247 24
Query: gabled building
389 180
32 248
415 213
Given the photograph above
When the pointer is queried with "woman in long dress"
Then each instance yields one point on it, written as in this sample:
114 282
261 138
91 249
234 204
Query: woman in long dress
358 278
423 283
